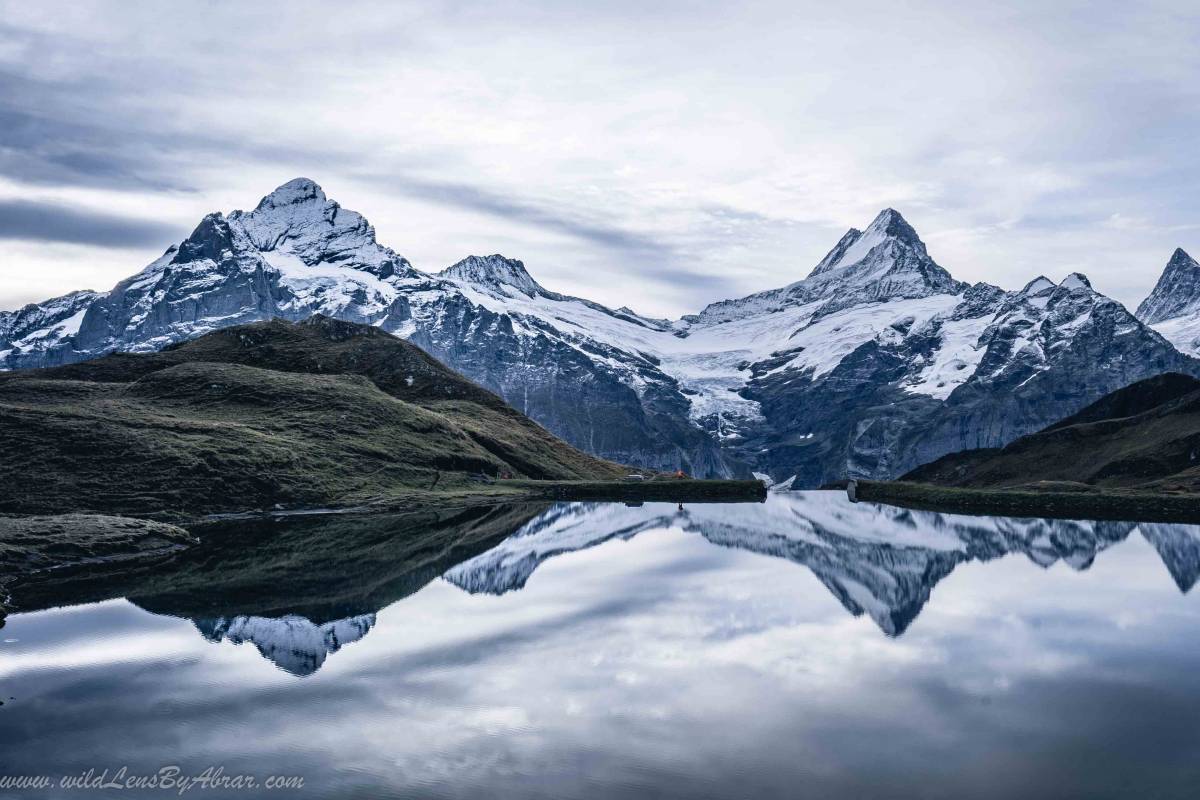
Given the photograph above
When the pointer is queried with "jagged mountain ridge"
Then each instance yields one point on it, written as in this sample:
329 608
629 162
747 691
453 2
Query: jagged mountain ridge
875 362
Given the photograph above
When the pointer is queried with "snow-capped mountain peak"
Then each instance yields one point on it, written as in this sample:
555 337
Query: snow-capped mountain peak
298 220
495 272
1173 308
886 261
1177 292
855 246
294 192
890 224
288 211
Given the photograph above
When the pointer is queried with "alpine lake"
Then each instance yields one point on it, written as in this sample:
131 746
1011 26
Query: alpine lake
804 646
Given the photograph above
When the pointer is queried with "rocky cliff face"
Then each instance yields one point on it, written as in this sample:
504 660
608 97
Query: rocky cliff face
877 361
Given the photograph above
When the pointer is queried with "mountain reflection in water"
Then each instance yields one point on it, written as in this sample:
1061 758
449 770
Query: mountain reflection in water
879 560
300 589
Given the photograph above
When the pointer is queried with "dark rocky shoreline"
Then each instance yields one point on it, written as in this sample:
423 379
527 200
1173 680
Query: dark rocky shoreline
1117 505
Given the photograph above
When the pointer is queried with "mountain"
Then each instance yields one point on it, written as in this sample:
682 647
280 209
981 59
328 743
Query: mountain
299 253
877 361
256 416
1173 308
1143 437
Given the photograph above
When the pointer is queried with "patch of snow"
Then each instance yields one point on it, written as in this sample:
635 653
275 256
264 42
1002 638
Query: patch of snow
70 325
830 339
955 361
871 238
1037 286
329 287
1183 332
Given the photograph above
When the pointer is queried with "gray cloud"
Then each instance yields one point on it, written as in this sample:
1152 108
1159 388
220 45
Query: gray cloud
708 149
69 133
658 261
49 222
524 212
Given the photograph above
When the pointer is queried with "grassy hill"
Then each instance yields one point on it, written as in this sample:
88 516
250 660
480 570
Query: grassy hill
1143 438
321 412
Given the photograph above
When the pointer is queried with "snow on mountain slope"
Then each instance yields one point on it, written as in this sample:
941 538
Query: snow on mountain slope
1183 332
876 360
955 361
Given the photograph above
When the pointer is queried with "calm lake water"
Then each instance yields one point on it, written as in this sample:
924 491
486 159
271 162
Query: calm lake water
802 647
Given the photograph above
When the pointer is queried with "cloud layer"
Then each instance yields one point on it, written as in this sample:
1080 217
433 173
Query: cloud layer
655 155
48 222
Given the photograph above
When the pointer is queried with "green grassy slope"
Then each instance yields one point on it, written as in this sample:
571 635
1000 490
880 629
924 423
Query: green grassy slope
316 413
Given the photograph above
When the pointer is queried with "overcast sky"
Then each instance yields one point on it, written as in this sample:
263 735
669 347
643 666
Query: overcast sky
660 155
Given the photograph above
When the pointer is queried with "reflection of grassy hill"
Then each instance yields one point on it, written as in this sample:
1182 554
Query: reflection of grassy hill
316 413
321 567
30 545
